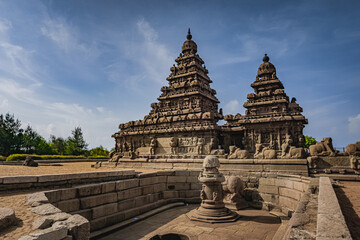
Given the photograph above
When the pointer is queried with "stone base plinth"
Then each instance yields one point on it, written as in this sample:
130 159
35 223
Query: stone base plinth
237 206
213 215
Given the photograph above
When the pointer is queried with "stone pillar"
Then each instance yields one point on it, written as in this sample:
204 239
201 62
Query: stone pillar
212 208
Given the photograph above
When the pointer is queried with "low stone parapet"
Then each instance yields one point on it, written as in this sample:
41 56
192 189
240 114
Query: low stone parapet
330 220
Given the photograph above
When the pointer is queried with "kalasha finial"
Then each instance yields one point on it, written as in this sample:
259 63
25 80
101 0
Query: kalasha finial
189 35
266 58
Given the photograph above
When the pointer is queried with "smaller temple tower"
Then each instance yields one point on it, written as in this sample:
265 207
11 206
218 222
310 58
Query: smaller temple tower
270 117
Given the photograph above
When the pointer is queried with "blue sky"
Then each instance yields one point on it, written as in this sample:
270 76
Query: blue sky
95 64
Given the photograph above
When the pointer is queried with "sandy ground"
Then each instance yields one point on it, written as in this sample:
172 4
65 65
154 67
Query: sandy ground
75 167
17 199
349 199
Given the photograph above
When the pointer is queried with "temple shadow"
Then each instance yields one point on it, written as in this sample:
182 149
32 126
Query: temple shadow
351 217
19 223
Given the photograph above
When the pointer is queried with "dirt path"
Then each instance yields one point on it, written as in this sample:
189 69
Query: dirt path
74 167
349 199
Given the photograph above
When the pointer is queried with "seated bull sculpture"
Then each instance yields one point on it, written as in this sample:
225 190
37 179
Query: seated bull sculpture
237 153
353 149
288 151
262 152
323 148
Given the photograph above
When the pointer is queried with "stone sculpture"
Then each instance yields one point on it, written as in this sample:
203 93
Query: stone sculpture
353 149
323 148
264 152
233 189
288 151
354 162
153 145
173 144
29 162
237 153
212 208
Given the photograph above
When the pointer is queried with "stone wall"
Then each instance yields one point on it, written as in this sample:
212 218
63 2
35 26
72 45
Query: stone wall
108 203
245 167
61 180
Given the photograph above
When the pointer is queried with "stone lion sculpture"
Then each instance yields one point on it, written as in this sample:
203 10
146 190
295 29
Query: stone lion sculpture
114 157
262 152
237 153
233 189
323 148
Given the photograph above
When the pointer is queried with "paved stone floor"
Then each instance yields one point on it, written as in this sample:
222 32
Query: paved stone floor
253 224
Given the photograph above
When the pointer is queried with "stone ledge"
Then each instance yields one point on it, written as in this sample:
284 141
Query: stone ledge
331 222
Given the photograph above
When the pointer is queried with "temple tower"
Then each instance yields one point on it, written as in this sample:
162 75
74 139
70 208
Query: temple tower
270 117
183 121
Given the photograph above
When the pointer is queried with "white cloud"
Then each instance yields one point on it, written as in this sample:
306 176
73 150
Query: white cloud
232 106
354 125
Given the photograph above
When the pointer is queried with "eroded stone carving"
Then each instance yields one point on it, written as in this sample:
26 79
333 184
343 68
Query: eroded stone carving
323 148
237 153
263 152
288 151
353 149
29 162
234 193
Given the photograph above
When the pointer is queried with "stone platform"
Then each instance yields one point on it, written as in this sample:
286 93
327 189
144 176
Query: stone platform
255 167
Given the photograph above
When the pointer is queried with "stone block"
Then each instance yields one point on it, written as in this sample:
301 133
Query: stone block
67 193
192 193
88 190
195 186
131 213
126 204
20 179
56 232
268 189
45 209
181 173
107 187
93 201
283 182
162 179
165 173
291 193
288 202
331 226
154 197
42 223
79 227
86 213
159 187
129 193
194 173
36 199
70 205
148 181
176 179
97 224
53 178
300 186
178 186
7 218
115 218
126 184
267 181
192 179
148 189
53 195
141 200
104 210
170 194
147 175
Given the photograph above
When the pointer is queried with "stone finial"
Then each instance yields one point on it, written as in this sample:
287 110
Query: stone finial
211 161
189 36
266 58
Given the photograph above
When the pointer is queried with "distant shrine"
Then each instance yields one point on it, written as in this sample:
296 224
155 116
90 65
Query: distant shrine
183 123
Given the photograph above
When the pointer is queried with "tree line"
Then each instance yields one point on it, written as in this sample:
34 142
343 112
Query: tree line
14 139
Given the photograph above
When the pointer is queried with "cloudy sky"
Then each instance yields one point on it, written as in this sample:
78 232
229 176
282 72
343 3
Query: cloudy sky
96 64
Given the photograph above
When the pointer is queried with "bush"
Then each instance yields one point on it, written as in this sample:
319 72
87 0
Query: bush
2 158
309 141
17 157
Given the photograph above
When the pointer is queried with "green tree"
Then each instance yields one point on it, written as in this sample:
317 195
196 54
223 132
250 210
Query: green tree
11 135
58 144
31 140
76 144
44 148
99 151
309 141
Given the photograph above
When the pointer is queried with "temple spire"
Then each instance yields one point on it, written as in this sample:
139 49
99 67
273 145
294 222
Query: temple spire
189 36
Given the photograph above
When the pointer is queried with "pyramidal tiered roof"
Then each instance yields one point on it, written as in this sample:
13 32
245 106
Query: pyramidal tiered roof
269 103
188 103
